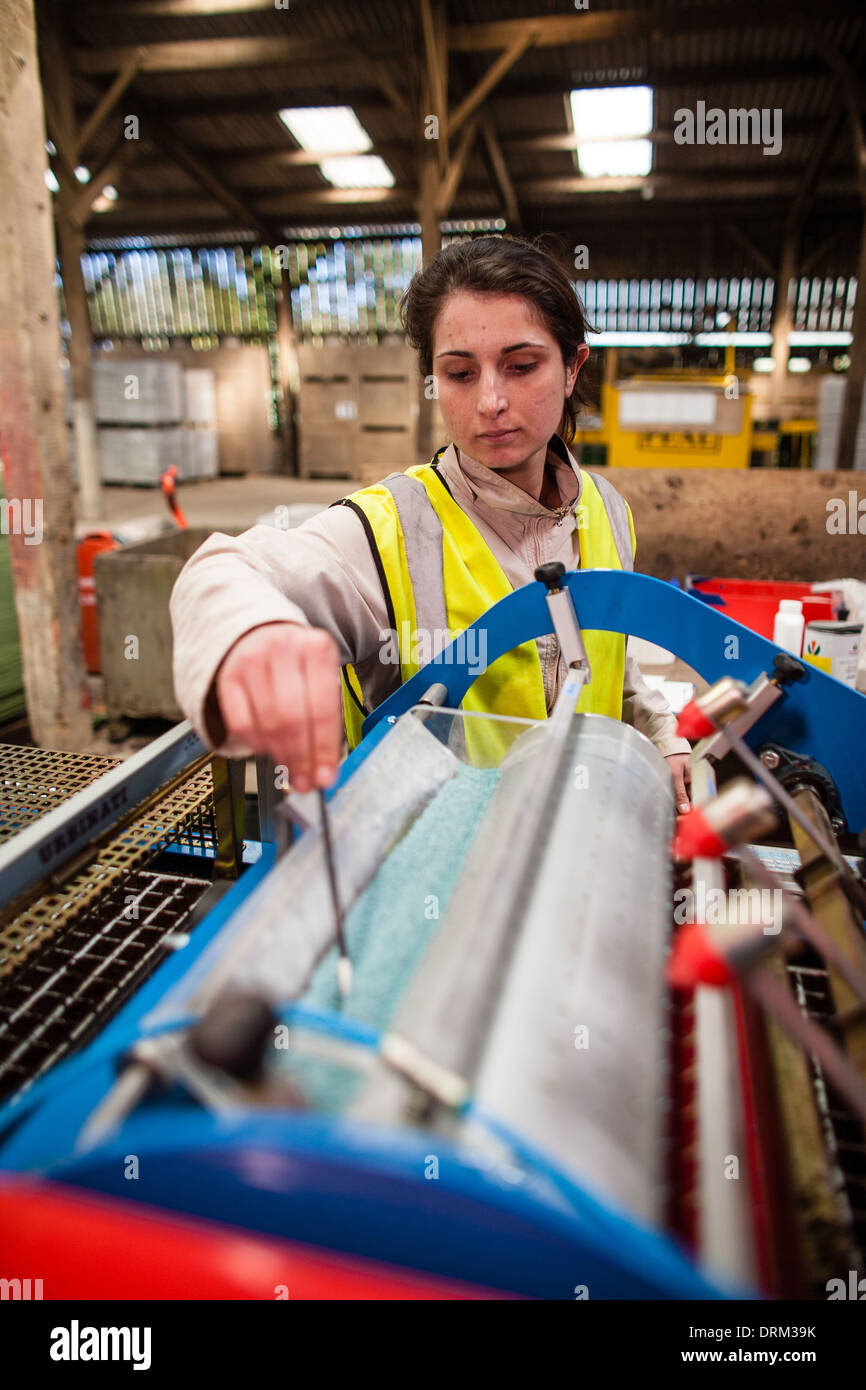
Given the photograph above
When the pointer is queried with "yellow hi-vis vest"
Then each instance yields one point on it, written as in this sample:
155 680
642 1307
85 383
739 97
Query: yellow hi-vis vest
437 571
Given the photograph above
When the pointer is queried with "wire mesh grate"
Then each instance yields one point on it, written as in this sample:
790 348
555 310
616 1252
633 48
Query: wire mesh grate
183 815
61 997
35 780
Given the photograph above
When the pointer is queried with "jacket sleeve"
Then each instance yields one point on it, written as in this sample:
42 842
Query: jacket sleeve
649 712
319 574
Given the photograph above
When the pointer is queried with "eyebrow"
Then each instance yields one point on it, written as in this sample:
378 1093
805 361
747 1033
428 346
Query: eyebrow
515 347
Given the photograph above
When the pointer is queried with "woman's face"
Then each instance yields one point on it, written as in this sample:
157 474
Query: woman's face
501 379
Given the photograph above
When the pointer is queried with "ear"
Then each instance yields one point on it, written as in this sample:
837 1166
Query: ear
571 373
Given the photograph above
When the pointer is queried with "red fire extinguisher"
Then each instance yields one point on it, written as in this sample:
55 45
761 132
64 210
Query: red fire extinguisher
88 547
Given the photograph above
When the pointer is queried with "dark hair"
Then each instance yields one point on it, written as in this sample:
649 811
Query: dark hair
499 265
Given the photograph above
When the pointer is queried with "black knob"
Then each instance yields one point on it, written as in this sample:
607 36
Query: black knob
787 670
234 1034
550 575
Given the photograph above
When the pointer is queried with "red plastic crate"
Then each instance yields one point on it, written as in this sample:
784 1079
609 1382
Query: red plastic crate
754 602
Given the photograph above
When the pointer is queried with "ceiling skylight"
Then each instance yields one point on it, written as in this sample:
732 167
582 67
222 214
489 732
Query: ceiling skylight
357 171
323 129
608 123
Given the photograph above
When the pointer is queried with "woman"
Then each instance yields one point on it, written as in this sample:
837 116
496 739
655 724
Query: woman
264 623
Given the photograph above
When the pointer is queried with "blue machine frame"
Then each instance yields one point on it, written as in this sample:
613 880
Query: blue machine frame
818 715
320 1179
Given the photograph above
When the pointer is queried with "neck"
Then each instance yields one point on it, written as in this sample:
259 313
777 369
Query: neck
532 477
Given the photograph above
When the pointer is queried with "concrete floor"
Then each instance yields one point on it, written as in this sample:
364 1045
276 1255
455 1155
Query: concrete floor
235 502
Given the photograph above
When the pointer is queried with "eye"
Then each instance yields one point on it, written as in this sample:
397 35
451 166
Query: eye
458 376
523 367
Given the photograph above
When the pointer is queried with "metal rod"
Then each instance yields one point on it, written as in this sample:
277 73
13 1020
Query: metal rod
344 965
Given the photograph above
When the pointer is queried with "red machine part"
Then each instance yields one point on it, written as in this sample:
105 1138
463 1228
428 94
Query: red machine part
86 1247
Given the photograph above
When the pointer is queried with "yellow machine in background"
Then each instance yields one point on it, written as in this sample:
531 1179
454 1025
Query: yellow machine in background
694 418
675 421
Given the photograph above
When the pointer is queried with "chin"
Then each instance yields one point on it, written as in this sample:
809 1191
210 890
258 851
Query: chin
508 455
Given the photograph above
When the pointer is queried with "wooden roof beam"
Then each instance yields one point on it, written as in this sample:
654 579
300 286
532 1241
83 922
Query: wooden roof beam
501 175
436 55
109 99
178 153
557 31
492 77
179 9
675 186
176 9
551 31
363 92
77 206
57 89
455 170
754 251
603 192
145 211
192 55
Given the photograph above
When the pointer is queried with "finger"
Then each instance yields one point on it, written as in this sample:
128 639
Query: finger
681 793
282 713
322 680
294 740
236 711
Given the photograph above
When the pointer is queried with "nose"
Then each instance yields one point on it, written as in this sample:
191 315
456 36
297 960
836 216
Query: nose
492 399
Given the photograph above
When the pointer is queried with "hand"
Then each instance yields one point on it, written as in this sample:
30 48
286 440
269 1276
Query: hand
279 693
679 766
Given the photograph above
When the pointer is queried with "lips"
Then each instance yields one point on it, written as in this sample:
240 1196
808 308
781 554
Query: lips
496 435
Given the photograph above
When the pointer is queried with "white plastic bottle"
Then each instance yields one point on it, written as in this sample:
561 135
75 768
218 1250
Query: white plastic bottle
788 626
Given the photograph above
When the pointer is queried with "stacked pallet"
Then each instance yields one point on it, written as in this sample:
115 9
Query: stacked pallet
831 399
357 411
150 418
200 444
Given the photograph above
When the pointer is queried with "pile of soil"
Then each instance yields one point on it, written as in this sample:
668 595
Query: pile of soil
745 524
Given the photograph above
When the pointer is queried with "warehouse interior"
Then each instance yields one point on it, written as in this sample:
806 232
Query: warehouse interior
213 212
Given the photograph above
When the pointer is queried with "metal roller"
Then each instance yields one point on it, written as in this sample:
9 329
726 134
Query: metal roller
576 1053
559 922
273 943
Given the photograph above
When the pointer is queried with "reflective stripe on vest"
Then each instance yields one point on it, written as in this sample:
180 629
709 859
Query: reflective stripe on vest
439 576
